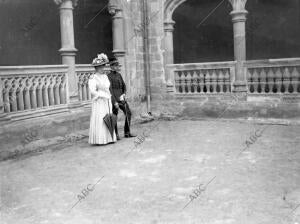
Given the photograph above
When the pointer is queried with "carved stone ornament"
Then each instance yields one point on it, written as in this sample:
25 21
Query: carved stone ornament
238 5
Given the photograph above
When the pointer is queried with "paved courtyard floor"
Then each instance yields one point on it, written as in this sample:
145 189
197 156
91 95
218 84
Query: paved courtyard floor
201 172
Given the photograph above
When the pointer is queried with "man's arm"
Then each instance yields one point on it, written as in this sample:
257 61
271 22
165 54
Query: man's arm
113 98
123 85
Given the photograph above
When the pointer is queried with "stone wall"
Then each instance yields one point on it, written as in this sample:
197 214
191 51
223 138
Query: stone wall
134 46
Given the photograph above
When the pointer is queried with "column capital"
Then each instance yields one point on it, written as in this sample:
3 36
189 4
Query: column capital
239 16
114 10
238 5
59 2
169 25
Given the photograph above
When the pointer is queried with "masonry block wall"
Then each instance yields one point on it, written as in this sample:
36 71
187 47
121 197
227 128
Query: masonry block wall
134 46
134 57
156 37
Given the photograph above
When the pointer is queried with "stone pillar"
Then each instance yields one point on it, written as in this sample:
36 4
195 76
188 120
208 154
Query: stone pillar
168 41
68 50
118 37
239 22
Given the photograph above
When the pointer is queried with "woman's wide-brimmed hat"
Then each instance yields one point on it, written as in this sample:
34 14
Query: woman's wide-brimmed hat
114 61
100 60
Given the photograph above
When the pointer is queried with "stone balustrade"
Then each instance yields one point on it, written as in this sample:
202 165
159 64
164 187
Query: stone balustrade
83 73
201 78
32 87
277 76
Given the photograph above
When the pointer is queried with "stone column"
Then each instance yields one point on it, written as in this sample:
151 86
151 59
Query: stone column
68 50
118 37
168 41
239 22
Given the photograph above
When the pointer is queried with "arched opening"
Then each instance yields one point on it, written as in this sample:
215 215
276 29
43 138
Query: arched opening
202 36
272 29
29 32
93 30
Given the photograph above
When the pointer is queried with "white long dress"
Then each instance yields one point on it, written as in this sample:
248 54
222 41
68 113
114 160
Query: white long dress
101 105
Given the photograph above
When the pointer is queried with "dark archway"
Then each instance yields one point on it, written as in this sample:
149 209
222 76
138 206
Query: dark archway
273 29
29 32
93 30
198 41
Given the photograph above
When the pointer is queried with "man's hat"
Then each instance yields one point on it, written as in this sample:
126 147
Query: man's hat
113 61
100 60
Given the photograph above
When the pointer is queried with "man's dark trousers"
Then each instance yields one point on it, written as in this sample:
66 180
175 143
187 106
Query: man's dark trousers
123 105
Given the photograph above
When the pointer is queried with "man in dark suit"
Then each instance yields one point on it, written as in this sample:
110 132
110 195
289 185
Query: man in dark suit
118 92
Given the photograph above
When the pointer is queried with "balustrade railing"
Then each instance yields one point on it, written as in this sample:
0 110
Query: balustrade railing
202 78
83 73
273 76
31 87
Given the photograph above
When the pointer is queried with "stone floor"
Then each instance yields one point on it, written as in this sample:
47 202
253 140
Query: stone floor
183 172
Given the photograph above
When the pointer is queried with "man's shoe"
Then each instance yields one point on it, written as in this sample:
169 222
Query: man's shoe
118 137
129 135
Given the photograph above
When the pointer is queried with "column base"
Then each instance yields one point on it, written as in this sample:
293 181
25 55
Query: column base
239 87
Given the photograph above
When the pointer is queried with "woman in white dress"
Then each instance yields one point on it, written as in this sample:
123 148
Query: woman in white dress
101 103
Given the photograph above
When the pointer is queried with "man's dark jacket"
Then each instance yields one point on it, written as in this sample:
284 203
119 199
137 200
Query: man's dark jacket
117 86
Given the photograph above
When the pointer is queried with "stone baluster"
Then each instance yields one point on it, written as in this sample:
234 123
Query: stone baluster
286 80
27 103
206 80
275 82
40 92
45 91
62 89
221 80
50 90
269 84
6 99
278 80
56 90
80 83
263 80
194 81
88 89
33 90
181 82
84 95
295 80
176 74
188 81
20 95
184 82
14 106
68 50
239 19
86 86
255 81
214 81
227 81
201 81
